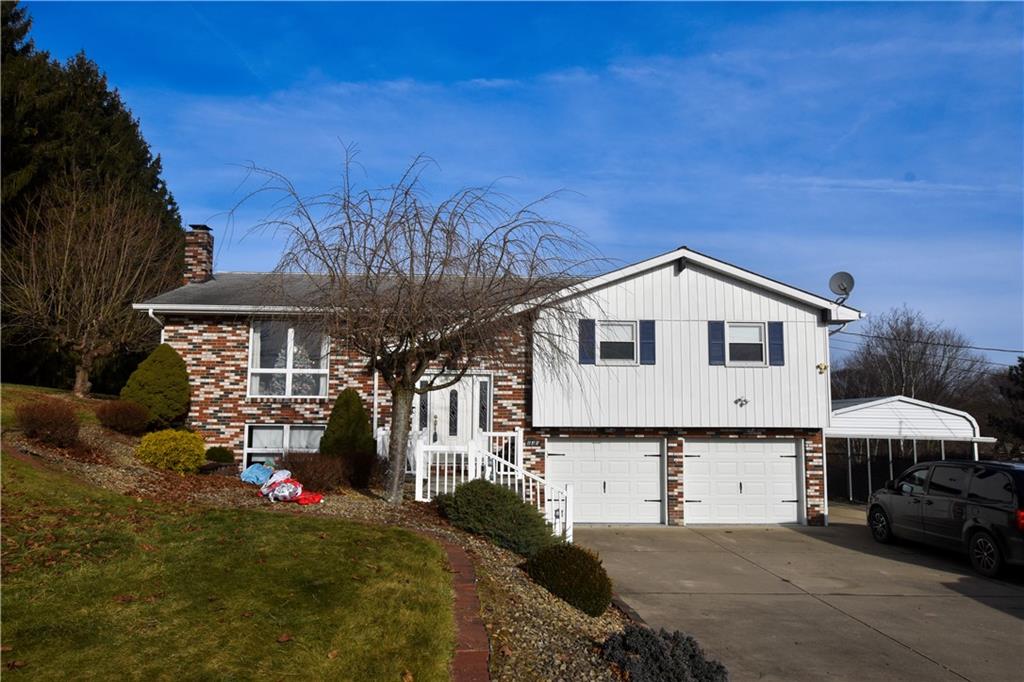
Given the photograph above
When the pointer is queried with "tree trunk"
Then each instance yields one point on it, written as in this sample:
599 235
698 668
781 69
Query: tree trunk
401 418
82 383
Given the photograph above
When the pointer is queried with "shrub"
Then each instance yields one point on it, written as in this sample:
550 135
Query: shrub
124 416
219 453
573 574
179 451
498 514
349 436
160 384
49 420
643 655
315 471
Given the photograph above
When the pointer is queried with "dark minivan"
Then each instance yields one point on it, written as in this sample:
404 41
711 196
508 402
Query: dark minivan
975 507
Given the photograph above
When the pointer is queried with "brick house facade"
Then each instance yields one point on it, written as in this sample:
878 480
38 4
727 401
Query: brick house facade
216 345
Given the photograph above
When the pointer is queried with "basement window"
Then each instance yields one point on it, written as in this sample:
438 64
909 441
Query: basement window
267 443
287 361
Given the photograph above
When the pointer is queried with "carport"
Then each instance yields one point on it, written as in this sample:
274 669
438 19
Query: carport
870 427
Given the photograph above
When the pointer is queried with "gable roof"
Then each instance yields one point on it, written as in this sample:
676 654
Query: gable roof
837 312
250 292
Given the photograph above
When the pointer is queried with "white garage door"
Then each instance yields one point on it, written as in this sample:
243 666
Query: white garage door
735 481
614 481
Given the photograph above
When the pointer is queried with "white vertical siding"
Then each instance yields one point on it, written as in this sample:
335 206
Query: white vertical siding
682 389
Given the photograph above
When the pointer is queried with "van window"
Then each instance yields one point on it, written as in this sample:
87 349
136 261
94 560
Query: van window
991 487
913 482
948 481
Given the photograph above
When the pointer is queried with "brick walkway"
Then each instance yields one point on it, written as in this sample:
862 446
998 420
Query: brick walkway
471 646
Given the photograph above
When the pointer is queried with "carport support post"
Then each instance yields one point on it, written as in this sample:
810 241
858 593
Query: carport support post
975 445
915 452
867 444
849 470
890 458
942 449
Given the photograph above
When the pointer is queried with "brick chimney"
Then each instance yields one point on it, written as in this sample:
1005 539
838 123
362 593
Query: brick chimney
198 254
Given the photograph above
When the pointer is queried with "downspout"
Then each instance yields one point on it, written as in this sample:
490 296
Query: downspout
375 400
157 320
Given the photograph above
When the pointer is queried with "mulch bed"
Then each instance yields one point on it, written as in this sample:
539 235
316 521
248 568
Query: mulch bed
533 634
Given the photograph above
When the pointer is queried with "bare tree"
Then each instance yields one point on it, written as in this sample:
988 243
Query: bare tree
414 286
902 353
84 252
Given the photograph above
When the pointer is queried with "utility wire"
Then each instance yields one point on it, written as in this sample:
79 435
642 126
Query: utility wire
968 360
933 343
953 367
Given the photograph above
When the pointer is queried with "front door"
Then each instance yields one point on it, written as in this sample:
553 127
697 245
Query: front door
906 503
457 414
943 513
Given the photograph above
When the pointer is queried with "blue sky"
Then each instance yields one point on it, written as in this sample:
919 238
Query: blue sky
791 139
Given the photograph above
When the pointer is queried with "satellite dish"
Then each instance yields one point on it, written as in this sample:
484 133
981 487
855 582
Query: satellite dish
841 284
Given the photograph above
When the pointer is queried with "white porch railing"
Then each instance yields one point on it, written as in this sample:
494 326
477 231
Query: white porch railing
383 442
507 445
442 468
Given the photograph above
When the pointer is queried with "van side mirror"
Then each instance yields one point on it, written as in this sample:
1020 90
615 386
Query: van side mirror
891 485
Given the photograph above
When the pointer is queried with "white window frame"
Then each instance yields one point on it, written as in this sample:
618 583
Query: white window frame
764 345
636 344
287 371
285 440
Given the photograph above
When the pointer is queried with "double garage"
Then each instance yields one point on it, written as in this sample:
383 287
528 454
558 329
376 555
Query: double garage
724 480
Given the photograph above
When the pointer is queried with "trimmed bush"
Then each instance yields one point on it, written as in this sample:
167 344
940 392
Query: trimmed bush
49 420
124 416
349 437
160 384
179 451
315 471
574 575
219 453
643 655
498 514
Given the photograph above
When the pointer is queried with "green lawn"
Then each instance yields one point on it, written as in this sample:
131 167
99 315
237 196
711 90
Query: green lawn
100 586
12 395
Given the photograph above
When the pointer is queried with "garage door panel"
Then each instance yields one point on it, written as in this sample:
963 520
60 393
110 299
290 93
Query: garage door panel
614 481
714 470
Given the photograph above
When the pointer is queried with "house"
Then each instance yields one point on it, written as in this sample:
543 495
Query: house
698 391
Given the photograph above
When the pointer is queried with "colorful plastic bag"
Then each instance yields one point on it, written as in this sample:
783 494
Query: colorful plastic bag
257 474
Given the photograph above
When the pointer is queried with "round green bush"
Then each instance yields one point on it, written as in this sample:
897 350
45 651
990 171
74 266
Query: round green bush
179 451
124 416
498 514
160 384
219 453
349 437
573 574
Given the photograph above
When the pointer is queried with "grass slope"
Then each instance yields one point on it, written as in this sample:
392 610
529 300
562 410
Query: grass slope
100 586
12 395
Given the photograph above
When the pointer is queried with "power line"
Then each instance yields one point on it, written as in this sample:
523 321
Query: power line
954 367
967 360
933 343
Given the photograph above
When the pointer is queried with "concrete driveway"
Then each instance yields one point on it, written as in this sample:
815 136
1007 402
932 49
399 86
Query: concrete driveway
792 603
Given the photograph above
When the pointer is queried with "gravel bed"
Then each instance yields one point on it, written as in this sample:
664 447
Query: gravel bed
533 634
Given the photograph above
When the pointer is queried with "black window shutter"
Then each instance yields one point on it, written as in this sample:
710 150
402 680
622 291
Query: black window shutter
588 355
716 342
647 351
776 344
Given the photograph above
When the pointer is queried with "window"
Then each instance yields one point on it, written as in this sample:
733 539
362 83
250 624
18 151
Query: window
266 444
745 343
485 406
616 343
423 407
948 481
913 483
287 361
453 412
991 487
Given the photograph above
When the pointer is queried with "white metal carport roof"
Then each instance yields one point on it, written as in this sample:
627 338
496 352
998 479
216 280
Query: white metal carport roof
901 418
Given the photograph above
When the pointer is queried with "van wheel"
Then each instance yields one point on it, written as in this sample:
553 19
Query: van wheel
881 529
986 557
